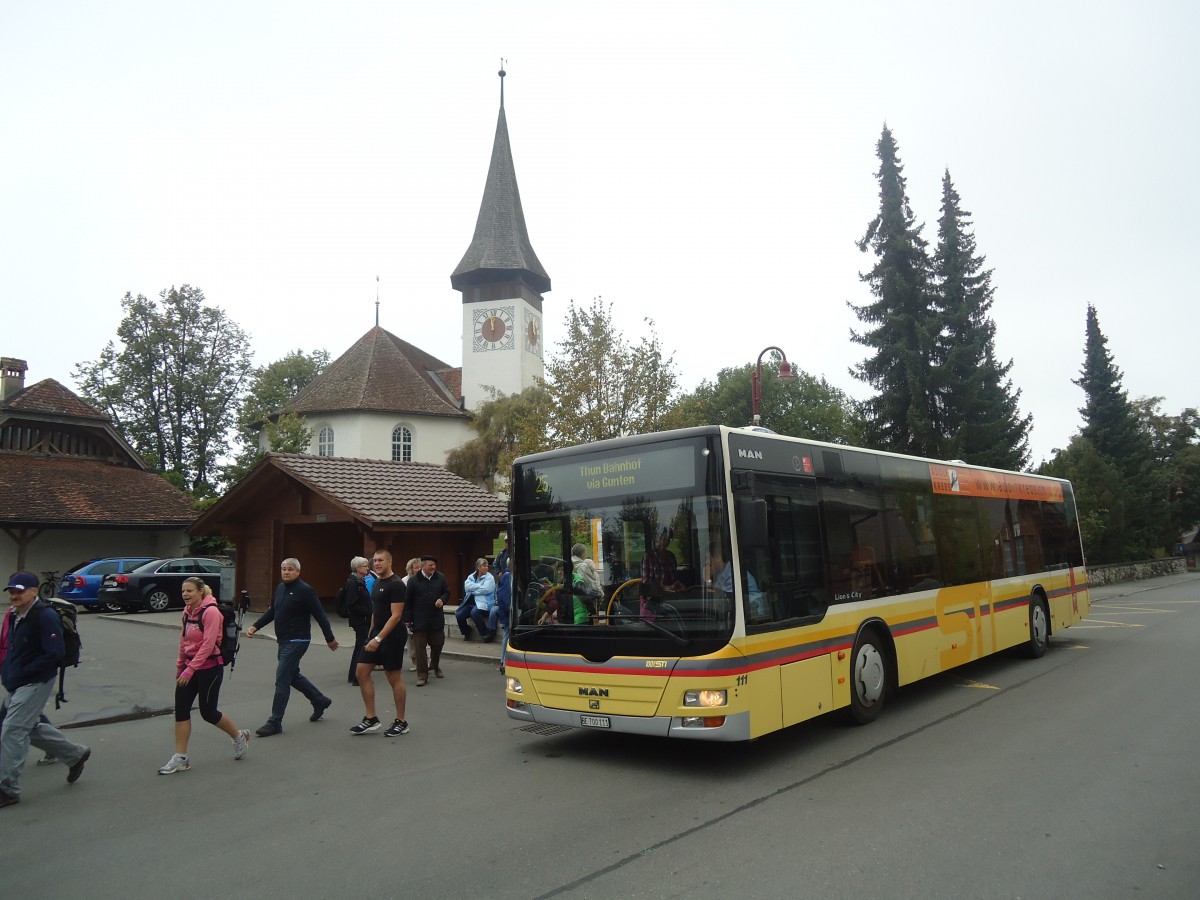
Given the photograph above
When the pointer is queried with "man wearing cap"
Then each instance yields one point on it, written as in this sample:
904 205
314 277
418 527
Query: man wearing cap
428 592
35 650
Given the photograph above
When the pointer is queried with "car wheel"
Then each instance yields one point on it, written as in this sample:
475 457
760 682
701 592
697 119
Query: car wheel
109 607
868 678
158 601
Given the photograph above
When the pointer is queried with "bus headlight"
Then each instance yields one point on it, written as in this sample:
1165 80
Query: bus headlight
707 699
513 685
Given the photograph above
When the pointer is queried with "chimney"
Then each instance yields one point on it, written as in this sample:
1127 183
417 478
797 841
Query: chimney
13 377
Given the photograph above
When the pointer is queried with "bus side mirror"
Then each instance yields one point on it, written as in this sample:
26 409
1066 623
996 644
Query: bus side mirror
751 516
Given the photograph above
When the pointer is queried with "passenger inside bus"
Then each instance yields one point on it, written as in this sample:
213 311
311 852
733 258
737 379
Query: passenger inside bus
585 586
660 572
720 577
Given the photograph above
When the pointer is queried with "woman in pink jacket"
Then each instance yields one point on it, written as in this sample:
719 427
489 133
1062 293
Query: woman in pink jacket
198 673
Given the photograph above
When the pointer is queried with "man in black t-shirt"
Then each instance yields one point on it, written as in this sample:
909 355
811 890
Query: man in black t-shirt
385 646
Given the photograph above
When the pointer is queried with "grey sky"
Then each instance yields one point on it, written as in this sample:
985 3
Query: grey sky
707 164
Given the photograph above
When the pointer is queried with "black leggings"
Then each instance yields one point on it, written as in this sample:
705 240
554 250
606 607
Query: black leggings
205 684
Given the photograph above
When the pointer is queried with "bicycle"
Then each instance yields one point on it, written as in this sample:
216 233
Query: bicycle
47 588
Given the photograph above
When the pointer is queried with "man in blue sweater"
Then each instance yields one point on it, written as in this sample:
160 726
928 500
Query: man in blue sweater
35 651
292 610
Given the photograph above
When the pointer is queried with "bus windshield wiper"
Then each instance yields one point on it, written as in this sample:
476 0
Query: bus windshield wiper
679 639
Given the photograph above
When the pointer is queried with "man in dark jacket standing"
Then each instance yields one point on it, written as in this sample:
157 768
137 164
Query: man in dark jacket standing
428 592
35 650
295 605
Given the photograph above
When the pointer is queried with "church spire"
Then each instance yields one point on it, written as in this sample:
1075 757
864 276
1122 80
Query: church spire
500 251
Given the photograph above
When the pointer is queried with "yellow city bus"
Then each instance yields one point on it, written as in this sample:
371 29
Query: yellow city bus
726 582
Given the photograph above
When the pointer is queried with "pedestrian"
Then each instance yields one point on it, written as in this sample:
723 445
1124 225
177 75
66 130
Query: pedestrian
498 618
428 592
358 608
410 569
480 591
385 647
292 610
35 650
500 566
199 670
10 616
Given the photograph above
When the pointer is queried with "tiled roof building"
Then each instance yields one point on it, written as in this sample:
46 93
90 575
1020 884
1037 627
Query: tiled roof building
71 487
326 510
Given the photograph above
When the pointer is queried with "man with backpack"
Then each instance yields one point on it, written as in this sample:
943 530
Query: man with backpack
36 649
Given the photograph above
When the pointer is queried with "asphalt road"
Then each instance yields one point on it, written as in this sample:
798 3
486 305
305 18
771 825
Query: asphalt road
1069 776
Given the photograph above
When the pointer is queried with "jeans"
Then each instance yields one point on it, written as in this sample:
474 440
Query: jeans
287 676
464 611
22 709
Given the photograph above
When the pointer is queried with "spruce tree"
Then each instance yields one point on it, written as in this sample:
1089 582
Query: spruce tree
977 412
1113 427
900 324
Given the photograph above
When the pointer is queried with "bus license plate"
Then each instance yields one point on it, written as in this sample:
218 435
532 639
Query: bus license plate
595 722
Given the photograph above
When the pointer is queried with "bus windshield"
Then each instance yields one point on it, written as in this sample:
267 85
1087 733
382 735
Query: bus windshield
612 548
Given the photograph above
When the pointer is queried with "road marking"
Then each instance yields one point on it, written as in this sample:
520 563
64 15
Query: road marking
966 682
1105 622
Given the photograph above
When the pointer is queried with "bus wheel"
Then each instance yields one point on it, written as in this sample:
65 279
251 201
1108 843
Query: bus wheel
1039 628
868 678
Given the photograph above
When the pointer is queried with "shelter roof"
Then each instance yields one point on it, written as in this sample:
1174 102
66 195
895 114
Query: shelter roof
373 491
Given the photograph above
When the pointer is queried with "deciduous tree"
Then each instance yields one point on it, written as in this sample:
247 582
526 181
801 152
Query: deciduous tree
603 384
272 387
171 382
808 407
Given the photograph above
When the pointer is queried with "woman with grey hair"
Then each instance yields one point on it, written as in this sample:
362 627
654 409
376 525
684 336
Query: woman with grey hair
357 602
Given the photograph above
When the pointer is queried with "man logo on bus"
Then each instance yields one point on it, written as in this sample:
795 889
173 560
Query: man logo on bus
954 480
750 454
593 692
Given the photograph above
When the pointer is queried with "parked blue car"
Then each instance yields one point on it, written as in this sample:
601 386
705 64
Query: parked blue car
81 585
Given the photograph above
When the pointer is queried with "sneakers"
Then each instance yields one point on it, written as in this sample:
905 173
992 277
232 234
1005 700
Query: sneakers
240 743
366 726
179 763
319 709
412 667
438 673
7 799
48 760
76 770
398 728
268 728
420 681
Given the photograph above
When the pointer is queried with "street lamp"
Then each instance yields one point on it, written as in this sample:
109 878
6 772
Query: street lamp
786 373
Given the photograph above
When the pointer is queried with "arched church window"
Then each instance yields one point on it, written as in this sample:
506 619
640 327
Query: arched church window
325 442
402 444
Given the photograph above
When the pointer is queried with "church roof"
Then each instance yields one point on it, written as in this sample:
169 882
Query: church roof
500 251
382 373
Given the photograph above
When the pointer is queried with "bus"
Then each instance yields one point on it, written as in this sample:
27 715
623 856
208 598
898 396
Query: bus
720 583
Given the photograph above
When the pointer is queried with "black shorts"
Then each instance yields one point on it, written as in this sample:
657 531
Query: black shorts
390 655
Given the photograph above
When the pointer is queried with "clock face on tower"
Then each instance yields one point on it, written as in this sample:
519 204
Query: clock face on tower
494 329
533 334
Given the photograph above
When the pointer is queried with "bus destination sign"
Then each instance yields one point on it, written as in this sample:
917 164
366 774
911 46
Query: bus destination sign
669 467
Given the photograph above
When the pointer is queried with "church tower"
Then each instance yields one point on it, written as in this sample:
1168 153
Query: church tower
502 282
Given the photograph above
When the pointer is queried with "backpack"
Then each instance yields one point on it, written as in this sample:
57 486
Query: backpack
231 629
340 600
68 617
